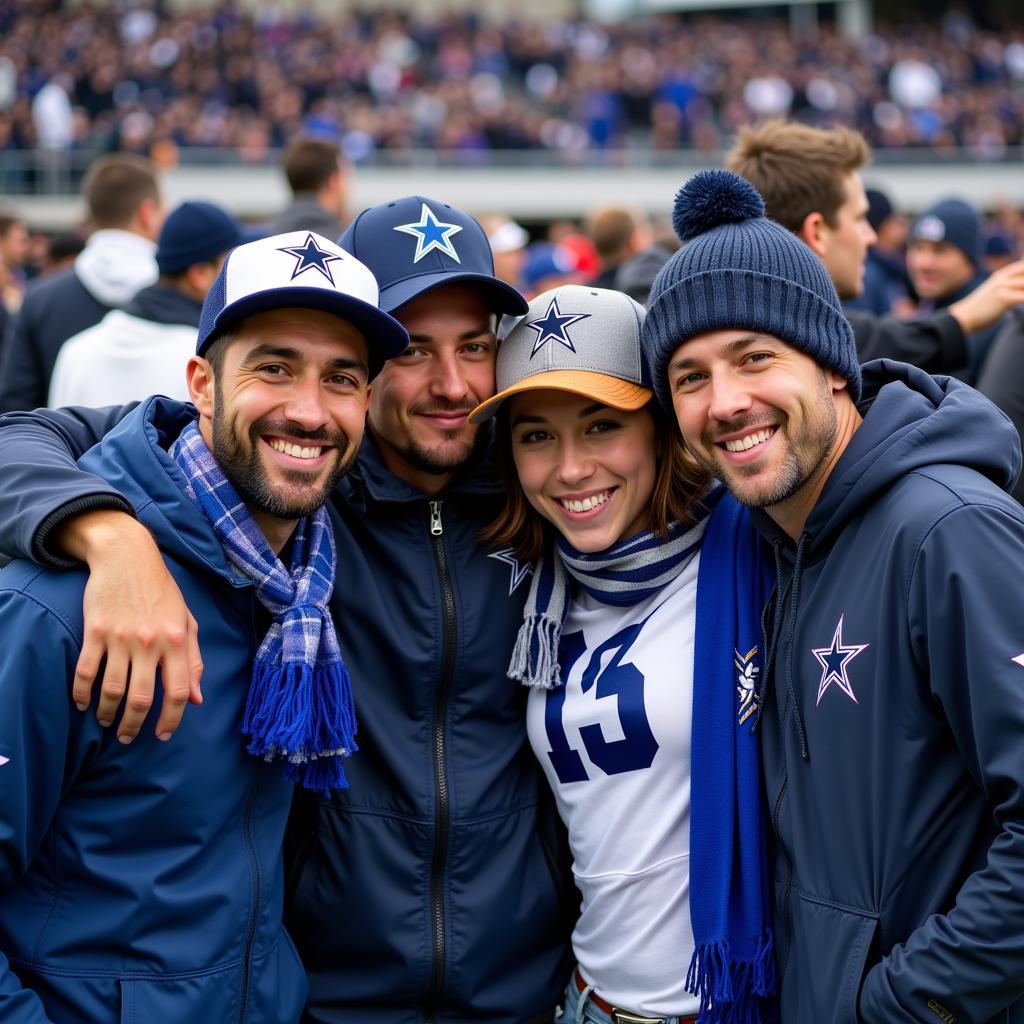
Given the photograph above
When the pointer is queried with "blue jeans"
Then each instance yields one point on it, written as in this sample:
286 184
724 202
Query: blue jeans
578 1008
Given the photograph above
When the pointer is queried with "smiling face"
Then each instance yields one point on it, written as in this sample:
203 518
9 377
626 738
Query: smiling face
283 411
938 269
585 467
422 397
762 416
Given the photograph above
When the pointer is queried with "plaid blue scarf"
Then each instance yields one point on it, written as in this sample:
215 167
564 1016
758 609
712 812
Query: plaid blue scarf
299 709
732 969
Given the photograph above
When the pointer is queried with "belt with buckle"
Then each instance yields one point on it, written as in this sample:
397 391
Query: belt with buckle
619 1016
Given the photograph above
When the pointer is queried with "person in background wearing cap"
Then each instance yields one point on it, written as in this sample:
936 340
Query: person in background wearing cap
944 261
143 349
810 181
634 612
147 883
886 286
892 724
508 241
434 887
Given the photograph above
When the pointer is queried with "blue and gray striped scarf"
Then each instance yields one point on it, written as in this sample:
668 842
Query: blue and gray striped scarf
299 708
732 969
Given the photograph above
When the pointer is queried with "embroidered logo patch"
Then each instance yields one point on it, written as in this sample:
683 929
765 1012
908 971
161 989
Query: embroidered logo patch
430 234
834 661
748 699
553 326
520 570
1019 660
310 255
4 760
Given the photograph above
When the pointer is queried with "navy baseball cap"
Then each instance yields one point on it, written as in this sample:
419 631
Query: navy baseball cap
300 269
415 244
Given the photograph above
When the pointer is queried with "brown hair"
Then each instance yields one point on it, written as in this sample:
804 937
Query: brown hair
678 482
610 229
116 185
798 169
309 163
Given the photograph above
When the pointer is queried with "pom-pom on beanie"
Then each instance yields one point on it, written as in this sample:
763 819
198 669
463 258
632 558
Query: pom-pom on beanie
739 270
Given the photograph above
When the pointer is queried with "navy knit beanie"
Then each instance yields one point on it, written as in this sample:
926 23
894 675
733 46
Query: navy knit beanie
737 269
196 232
953 221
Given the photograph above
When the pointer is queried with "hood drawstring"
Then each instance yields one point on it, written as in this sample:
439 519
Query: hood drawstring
798 718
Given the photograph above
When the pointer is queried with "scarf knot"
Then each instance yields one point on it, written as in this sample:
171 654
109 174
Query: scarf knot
299 708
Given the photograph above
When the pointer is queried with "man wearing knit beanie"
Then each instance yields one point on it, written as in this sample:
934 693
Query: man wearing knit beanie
890 713
142 350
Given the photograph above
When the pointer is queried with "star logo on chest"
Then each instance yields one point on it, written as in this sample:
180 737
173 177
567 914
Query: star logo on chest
520 570
553 326
834 661
309 256
430 234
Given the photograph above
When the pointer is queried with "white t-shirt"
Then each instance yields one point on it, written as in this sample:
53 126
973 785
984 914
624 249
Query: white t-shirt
614 742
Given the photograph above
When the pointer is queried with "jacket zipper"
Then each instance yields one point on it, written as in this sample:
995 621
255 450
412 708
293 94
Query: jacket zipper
440 763
254 863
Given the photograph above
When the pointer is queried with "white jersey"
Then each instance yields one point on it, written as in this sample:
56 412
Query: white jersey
614 742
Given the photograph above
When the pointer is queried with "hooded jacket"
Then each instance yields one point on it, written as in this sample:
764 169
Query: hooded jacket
130 354
892 729
144 882
437 887
113 266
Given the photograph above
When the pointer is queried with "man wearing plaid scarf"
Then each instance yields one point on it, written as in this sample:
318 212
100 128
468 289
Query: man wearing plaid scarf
147 881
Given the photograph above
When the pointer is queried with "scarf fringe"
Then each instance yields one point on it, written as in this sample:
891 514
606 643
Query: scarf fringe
304 716
732 991
535 656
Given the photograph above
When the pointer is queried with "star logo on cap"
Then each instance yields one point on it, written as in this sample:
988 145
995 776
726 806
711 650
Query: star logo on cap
430 234
310 255
833 661
553 326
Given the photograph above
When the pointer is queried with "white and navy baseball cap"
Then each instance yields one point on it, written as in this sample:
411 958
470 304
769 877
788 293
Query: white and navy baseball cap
300 269
578 339
415 244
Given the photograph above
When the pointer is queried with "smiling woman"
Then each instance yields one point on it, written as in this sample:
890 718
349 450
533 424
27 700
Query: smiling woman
635 556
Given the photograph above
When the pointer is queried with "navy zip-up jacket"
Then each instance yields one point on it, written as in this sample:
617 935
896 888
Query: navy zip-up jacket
893 731
437 888
139 883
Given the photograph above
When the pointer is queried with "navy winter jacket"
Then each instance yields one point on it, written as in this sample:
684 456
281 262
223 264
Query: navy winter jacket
139 883
893 732
437 887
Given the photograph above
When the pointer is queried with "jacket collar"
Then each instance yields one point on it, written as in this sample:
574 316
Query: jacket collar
164 304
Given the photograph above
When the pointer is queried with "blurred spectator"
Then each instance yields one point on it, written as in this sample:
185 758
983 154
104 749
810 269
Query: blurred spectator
548 265
13 256
142 349
61 250
999 249
944 261
810 181
508 245
1002 377
618 234
636 275
886 285
584 253
125 207
317 178
388 82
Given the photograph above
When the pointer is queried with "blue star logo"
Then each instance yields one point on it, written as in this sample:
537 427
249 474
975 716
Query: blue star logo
834 660
553 326
308 255
430 234
520 570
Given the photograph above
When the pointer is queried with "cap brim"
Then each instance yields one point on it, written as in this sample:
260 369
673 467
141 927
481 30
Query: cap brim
502 297
385 336
612 391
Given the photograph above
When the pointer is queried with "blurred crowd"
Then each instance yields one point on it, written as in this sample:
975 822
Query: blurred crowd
103 78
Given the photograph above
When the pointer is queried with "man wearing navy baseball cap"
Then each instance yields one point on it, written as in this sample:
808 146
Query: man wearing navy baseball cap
150 880
437 885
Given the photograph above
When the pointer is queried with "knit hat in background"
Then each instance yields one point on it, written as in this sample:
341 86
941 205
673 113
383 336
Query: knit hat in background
739 270
954 221
196 232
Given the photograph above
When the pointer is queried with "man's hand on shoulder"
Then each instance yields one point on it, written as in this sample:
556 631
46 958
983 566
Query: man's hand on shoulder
135 618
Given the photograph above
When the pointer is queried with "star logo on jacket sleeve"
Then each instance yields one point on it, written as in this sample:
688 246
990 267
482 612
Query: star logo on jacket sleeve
430 234
308 256
553 326
520 570
834 661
